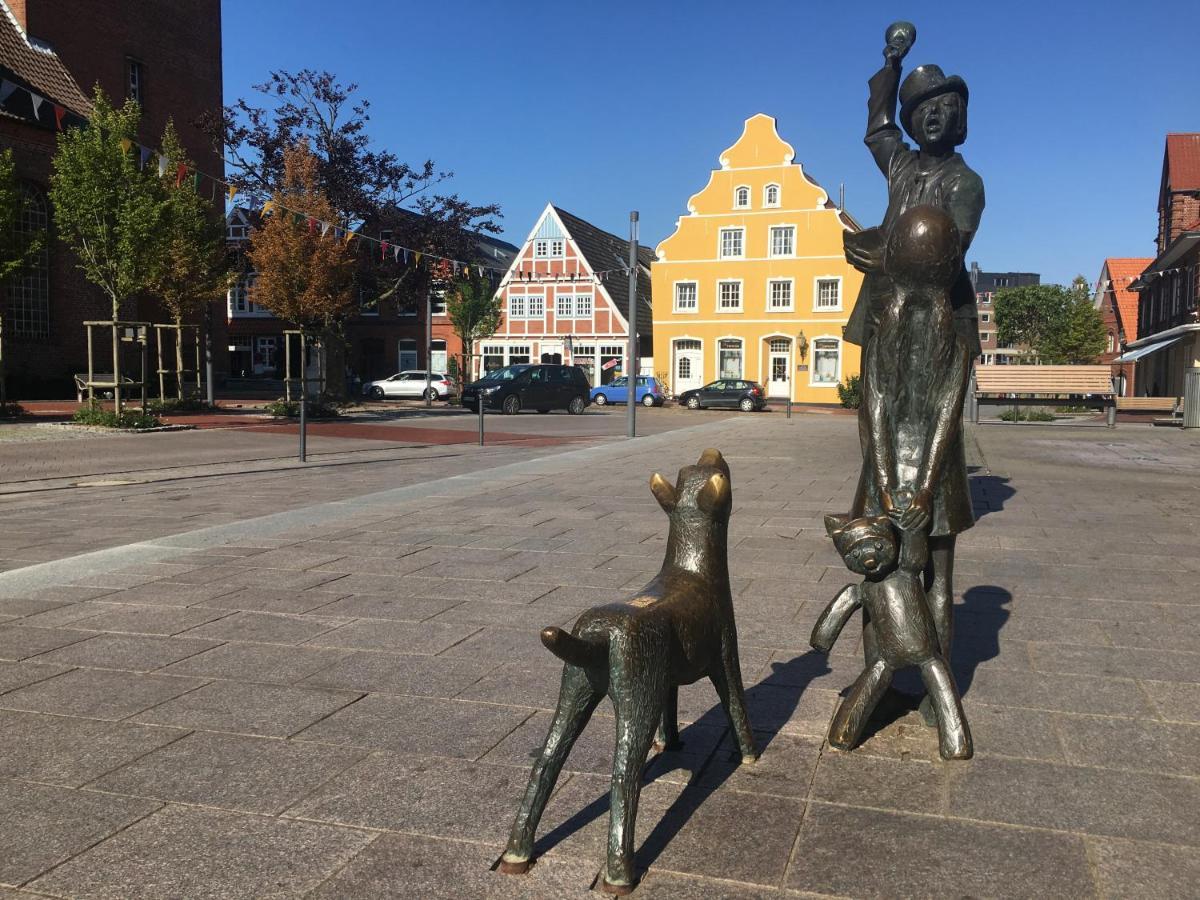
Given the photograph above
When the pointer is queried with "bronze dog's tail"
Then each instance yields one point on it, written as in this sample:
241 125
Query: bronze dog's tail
577 651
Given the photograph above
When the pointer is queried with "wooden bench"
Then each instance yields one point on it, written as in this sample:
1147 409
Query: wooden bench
1148 404
1046 386
101 382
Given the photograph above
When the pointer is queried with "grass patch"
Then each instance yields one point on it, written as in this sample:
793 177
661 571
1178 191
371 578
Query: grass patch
107 418
174 405
290 409
1027 415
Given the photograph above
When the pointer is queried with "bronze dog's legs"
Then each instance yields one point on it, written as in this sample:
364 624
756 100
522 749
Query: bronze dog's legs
954 737
856 709
728 682
639 706
577 700
668 729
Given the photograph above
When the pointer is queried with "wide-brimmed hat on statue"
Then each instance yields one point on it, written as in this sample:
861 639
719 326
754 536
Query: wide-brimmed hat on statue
922 83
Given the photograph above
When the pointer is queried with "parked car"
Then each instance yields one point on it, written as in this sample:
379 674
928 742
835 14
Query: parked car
648 391
728 393
411 385
541 387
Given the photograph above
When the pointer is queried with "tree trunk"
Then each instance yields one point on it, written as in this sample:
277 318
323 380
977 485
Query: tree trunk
333 344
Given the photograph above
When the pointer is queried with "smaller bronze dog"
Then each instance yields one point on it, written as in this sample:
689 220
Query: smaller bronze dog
676 630
893 598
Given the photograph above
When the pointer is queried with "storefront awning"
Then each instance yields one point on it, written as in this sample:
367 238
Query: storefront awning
1137 354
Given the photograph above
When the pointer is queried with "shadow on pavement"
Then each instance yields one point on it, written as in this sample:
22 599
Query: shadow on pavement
988 492
770 703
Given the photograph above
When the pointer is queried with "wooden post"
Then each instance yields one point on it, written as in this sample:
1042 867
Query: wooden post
179 360
116 348
91 376
162 390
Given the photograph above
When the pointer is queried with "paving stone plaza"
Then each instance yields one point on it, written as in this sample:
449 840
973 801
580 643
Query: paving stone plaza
262 680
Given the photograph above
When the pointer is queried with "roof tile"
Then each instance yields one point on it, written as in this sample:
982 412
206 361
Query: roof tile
1183 161
1121 273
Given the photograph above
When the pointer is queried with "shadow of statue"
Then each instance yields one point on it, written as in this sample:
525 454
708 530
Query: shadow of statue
988 492
771 703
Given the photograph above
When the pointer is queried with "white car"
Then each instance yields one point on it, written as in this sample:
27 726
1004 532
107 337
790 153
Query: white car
410 385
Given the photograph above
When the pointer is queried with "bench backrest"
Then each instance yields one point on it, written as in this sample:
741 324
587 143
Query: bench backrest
1043 380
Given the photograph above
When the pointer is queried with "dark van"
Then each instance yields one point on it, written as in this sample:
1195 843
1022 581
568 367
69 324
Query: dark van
542 387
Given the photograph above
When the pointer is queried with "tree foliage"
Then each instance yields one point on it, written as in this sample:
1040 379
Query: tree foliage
302 275
474 310
1060 325
18 246
195 266
106 210
364 186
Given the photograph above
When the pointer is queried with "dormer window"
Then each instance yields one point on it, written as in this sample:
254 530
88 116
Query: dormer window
771 195
741 198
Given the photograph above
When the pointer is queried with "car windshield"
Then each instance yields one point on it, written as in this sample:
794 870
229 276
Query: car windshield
508 373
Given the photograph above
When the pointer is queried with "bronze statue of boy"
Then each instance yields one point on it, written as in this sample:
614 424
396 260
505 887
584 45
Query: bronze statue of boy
933 110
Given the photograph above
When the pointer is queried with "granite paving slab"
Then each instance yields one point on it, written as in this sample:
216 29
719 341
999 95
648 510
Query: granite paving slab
98 694
201 853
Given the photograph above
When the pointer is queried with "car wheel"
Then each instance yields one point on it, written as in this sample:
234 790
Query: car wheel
747 405
600 400
430 394
693 402
512 405
648 400
377 393
576 406
542 412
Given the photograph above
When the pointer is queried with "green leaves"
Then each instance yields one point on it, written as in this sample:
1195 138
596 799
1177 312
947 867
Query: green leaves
17 245
1059 324
108 212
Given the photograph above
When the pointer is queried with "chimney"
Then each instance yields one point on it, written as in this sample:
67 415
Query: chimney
17 8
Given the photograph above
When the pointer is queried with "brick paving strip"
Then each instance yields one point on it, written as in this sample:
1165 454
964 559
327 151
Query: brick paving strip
340 699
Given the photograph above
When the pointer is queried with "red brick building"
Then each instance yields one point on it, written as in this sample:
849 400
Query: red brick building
163 53
1118 306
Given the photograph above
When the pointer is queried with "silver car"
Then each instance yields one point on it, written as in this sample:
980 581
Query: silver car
411 385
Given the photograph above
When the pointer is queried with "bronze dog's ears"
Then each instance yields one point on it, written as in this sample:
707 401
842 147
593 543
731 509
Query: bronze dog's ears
712 457
715 493
835 523
664 492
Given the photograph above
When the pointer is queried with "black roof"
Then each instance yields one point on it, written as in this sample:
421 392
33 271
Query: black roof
605 252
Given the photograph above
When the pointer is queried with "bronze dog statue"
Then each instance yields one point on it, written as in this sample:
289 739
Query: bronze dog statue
676 630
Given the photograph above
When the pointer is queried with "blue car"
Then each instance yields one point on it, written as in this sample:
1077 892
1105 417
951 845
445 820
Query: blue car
648 391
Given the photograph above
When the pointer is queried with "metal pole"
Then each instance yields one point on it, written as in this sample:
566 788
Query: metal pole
479 401
303 396
428 342
208 375
631 353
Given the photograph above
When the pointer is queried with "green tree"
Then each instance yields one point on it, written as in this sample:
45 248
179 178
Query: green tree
1060 325
195 268
474 309
18 245
106 210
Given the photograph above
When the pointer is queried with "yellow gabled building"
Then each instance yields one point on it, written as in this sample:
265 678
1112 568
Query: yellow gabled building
753 284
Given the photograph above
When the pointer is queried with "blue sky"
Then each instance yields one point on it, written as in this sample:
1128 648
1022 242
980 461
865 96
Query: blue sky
602 108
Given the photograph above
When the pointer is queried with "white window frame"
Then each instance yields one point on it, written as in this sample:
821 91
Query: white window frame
737 194
767 203
540 304
516 310
741 299
580 312
817 294
718 348
510 352
985 317
564 300
541 248
741 233
812 368
557 247
983 336
791 305
687 310
783 226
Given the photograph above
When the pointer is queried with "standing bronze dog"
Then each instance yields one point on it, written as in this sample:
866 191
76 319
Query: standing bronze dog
676 630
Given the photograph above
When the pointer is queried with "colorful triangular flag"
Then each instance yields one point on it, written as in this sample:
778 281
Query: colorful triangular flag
231 192
126 144
59 112
162 165
6 89
180 174
144 154
37 101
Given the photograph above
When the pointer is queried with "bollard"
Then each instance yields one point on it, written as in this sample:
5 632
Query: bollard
789 407
1191 397
479 401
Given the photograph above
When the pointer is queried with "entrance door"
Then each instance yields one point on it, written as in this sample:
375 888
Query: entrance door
552 352
779 363
689 366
